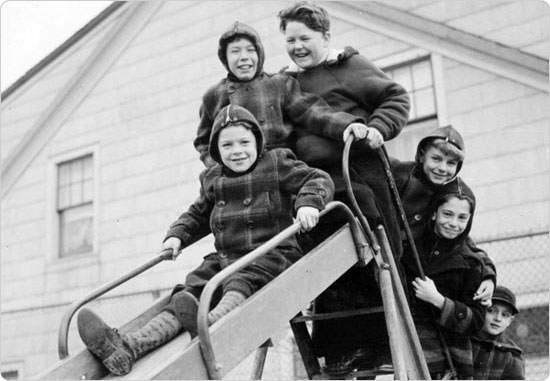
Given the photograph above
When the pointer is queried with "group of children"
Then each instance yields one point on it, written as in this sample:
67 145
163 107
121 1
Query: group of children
271 145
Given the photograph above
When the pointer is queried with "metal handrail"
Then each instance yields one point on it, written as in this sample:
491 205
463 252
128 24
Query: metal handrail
215 281
63 337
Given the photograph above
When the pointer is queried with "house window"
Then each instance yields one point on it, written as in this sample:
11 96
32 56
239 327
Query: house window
75 182
417 78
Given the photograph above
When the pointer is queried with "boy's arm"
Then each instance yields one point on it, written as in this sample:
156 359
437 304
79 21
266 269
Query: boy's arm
464 315
206 111
312 186
489 270
515 370
389 101
195 222
313 113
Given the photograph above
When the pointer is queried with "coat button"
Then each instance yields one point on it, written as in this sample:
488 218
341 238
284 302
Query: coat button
461 315
250 224
246 201
221 203
261 121
417 217
436 252
219 227
322 192
222 255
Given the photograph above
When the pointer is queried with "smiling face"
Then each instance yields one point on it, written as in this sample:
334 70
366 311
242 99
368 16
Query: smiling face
451 218
438 166
305 46
242 59
498 317
237 147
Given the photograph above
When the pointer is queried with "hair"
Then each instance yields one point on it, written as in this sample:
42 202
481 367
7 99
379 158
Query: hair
311 15
449 196
446 147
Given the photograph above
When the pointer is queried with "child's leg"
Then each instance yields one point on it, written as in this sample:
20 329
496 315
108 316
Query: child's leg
119 352
230 300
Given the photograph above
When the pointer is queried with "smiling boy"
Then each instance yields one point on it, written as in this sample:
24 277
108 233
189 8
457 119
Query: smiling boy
245 199
275 100
497 357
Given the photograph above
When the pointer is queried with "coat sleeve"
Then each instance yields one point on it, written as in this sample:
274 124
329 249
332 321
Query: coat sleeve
212 101
195 222
464 315
312 112
515 369
312 187
388 102
488 270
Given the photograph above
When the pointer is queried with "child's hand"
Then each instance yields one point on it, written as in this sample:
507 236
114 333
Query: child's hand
307 216
360 131
373 137
485 292
425 290
173 243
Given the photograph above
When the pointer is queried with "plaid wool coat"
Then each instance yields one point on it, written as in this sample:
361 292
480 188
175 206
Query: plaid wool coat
497 358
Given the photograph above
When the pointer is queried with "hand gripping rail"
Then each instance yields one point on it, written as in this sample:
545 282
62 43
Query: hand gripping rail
63 337
212 285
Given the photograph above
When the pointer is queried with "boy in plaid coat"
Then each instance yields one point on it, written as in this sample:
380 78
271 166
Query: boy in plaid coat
246 198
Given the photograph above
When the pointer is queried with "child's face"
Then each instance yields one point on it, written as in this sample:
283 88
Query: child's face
438 166
498 317
305 46
451 218
242 59
237 146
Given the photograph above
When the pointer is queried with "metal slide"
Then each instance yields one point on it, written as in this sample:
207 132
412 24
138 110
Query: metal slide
223 346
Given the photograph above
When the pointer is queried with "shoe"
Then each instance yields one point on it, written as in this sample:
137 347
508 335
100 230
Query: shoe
104 342
186 307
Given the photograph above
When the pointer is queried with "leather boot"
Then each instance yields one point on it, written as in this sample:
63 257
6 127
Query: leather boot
119 352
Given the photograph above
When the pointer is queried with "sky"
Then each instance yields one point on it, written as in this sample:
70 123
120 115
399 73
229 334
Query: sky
30 30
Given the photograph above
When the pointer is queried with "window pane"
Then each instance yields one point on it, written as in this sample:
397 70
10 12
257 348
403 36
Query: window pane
425 102
76 193
64 176
422 75
63 197
403 77
412 112
76 231
88 169
76 171
87 191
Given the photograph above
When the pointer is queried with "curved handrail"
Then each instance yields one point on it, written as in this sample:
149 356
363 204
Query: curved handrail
215 281
63 337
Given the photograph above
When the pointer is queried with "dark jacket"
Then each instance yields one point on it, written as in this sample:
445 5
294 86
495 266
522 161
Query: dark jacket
276 101
497 358
244 210
456 272
416 192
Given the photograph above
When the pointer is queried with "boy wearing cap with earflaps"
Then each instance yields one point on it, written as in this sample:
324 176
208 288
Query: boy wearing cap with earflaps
438 160
245 199
497 357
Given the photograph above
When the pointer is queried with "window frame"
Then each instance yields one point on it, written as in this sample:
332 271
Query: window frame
54 227
413 56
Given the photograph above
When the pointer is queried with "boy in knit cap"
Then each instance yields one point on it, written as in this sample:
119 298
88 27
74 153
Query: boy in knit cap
246 198
496 357
276 100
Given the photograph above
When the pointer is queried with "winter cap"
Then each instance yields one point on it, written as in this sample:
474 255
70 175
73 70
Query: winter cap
448 134
232 115
506 296
241 30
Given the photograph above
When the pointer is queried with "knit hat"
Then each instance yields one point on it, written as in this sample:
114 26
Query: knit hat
241 30
506 296
232 115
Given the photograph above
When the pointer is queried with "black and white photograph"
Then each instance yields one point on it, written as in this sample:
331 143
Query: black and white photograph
278 190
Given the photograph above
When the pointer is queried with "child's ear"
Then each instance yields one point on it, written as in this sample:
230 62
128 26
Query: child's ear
433 216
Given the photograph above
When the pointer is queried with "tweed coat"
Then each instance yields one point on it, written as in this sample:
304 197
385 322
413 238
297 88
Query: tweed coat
276 101
245 210
456 272
497 358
